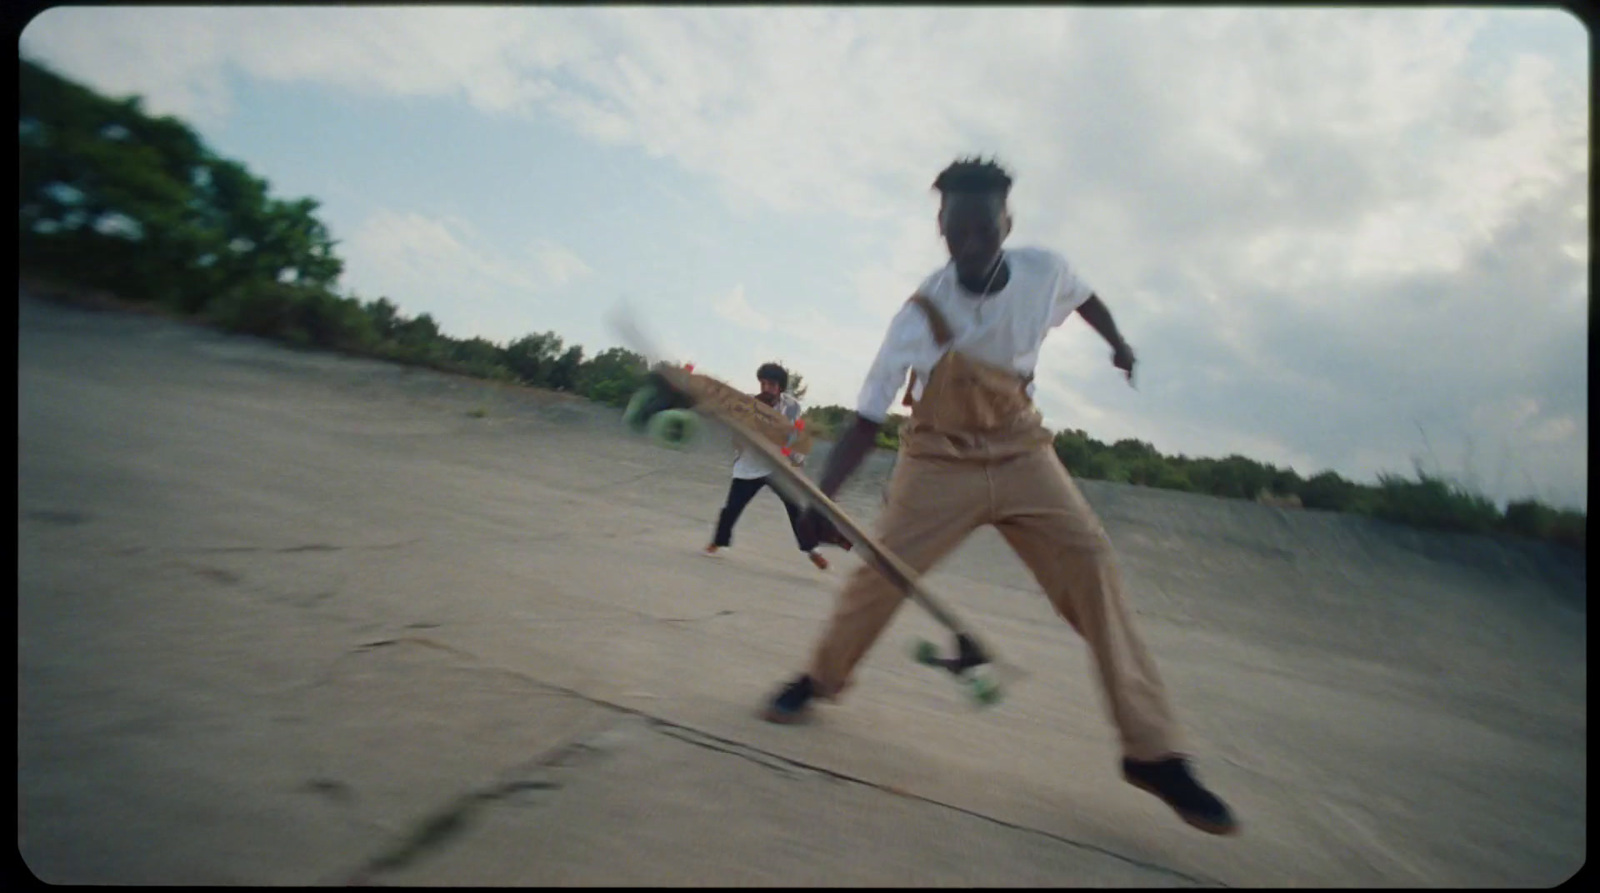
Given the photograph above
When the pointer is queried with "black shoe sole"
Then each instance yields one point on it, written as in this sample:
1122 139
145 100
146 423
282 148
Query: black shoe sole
1217 828
786 718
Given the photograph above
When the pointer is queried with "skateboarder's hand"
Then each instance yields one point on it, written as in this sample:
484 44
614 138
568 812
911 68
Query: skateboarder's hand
807 526
818 529
1122 358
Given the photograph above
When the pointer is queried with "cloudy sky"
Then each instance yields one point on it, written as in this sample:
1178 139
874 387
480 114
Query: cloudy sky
1337 238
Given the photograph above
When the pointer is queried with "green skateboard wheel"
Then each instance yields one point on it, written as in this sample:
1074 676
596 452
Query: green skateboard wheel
985 691
924 651
674 427
631 415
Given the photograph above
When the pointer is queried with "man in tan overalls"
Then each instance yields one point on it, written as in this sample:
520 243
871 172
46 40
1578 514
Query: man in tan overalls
975 452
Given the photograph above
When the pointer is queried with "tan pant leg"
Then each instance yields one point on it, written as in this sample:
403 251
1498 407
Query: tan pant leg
1055 532
931 508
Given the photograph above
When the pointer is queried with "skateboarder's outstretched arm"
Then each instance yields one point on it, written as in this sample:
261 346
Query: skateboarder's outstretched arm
847 454
1094 313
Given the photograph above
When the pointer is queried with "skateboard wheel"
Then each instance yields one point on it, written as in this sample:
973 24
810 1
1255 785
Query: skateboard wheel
985 691
924 651
632 415
673 427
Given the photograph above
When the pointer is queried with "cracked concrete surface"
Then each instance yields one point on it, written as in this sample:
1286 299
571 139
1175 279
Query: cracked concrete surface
653 804
288 618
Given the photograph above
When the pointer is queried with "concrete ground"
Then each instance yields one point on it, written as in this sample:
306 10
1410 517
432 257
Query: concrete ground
292 618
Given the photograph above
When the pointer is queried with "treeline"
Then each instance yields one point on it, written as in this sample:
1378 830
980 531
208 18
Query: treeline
112 198
1428 500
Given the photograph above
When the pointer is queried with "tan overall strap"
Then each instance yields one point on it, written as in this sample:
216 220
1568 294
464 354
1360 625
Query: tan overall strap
941 329
941 335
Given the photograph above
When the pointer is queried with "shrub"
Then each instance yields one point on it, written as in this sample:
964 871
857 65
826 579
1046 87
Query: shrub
1431 501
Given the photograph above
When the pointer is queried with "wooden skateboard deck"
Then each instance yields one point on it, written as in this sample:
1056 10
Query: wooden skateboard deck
971 654
726 401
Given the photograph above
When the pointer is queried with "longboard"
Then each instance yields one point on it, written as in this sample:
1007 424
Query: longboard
664 407
652 406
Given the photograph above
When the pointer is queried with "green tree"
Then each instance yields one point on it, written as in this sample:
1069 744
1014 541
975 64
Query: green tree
418 340
113 197
888 436
1327 490
612 376
533 358
564 371
1431 501
1238 477
330 320
103 189
1072 448
1529 517
827 421
1151 470
1104 466
385 317
1285 482
1129 451
478 356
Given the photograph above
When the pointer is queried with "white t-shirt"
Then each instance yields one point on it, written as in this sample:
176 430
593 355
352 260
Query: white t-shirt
750 465
1003 329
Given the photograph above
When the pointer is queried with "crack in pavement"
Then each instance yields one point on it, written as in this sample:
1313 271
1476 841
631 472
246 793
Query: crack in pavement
326 675
443 826
448 823
766 758
283 550
583 535
722 613
308 547
784 767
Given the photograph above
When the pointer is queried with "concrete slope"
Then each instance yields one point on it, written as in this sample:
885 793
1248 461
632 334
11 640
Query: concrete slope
289 618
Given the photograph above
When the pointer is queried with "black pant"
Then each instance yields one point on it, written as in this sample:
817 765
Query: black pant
739 495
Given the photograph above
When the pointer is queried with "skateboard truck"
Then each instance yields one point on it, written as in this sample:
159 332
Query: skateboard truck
968 655
983 688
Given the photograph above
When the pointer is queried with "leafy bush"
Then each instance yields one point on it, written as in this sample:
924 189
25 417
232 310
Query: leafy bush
1072 448
265 309
612 376
1533 519
1328 491
827 422
1431 501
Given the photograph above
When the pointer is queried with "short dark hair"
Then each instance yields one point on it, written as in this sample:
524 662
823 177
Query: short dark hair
774 373
973 175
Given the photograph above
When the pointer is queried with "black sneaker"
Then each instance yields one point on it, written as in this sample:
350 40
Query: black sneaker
792 704
1172 781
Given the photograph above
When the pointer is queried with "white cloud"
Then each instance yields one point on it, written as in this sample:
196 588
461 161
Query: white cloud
419 262
1554 430
735 308
174 61
910 252
559 264
832 353
1509 414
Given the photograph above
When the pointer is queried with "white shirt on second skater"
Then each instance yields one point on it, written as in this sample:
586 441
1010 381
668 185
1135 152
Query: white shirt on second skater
748 466
1003 329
